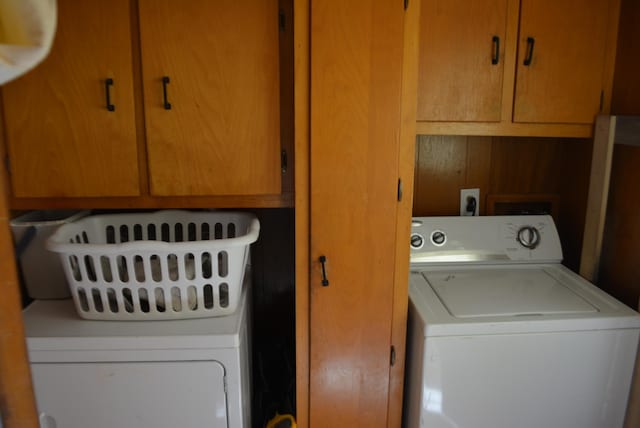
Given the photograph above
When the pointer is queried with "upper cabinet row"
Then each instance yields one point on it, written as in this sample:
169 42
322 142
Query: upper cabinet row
522 67
164 99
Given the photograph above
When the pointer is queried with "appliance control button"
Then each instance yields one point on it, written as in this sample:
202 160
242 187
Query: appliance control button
417 241
438 238
528 237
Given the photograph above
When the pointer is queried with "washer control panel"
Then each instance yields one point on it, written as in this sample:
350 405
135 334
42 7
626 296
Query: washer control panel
528 237
417 241
438 238
485 239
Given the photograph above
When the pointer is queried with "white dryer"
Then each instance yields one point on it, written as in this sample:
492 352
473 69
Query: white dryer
502 335
145 374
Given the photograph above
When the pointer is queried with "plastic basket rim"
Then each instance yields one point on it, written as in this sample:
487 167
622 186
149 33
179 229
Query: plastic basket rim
58 241
19 220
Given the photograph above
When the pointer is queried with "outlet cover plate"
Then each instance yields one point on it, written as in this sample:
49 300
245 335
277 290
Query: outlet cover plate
466 193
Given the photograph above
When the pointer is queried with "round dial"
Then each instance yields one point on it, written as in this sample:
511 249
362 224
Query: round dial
438 238
528 237
417 241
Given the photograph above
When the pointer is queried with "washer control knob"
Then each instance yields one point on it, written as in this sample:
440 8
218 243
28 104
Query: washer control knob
528 237
417 241
438 238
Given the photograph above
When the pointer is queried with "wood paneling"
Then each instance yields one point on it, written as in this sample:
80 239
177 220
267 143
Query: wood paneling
62 140
526 165
506 165
564 81
440 174
619 268
626 89
619 265
574 176
356 74
446 164
273 316
479 155
222 133
457 79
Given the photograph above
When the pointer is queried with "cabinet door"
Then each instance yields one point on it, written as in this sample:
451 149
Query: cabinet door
356 74
62 139
461 60
565 42
140 395
221 133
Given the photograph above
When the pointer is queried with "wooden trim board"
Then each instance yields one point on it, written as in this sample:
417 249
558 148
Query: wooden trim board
598 194
406 161
17 402
301 22
504 129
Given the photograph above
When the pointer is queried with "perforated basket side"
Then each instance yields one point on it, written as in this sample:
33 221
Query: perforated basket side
144 280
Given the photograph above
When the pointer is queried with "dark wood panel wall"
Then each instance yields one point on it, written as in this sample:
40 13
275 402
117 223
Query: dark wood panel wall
620 260
520 166
273 326
619 272
625 97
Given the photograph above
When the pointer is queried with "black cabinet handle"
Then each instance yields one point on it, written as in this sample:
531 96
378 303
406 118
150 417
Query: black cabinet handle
165 82
530 44
108 83
496 50
325 281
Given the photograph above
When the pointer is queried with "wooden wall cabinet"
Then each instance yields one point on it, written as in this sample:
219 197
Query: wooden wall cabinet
62 140
196 107
221 135
462 63
515 67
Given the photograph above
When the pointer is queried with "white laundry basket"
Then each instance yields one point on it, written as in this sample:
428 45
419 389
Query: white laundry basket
169 264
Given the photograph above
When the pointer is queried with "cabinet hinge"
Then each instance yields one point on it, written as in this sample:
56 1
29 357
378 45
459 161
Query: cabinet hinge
392 358
601 101
7 164
284 162
399 189
406 4
226 386
282 20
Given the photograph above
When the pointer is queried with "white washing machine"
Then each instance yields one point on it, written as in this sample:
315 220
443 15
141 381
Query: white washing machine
501 334
145 374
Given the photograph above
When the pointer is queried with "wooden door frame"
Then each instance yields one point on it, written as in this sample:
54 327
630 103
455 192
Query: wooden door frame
302 87
17 402
406 166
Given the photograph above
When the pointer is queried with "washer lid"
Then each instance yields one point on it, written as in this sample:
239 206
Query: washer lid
504 292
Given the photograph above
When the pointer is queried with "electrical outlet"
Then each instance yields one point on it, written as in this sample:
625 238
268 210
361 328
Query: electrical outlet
466 195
